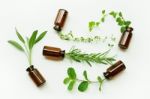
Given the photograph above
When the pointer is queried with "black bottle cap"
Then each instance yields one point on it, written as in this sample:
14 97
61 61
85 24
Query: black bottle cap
57 28
30 68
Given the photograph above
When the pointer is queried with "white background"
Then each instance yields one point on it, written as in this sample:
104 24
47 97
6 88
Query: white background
29 15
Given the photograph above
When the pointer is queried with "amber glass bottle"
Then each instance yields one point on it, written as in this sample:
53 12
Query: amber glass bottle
36 76
53 53
126 38
60 19
114 70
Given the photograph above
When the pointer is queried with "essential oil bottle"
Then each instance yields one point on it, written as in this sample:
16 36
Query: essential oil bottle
36 76
53 52
60 19
125 38
114 70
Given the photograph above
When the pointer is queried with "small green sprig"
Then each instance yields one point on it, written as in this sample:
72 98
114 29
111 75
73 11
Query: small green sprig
27 45
84 83
79 56
93 24
71 37
120 20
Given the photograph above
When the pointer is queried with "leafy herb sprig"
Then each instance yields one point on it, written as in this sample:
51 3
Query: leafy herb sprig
118 16
71 37
27 45
84 83
93 24
79 56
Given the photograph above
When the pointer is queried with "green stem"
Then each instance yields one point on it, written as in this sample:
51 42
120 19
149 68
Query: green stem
80 80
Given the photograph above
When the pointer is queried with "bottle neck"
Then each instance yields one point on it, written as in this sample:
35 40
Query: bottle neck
31 68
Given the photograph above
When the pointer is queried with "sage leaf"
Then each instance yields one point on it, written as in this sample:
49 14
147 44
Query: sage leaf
19 36
32 39
41 36
83 86
16 45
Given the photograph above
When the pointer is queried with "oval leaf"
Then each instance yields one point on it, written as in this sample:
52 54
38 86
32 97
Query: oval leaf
83 86
71 84
41 37
85 75
66 80
16 45
71 73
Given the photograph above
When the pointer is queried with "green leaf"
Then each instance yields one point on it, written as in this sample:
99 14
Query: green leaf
120 21
41 37
103 12
66 80
91 25
32 39
19 36
120 14
71 73
123 29
85 75
127 23
114 14
83 86
71 84
16 45
103 19
100 80
97 23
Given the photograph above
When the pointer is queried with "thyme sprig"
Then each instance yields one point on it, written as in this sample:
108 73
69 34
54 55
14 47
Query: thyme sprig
27 45
71 37
79 56
84 83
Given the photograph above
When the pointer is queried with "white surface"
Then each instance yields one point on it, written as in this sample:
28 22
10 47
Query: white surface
29 15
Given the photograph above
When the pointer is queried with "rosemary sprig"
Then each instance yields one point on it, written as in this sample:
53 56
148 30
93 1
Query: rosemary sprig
71 37
84 83
28 44
79 56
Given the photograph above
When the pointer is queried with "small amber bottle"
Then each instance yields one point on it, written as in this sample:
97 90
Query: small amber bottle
36 76
126 38
53 53
114 70
60 19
